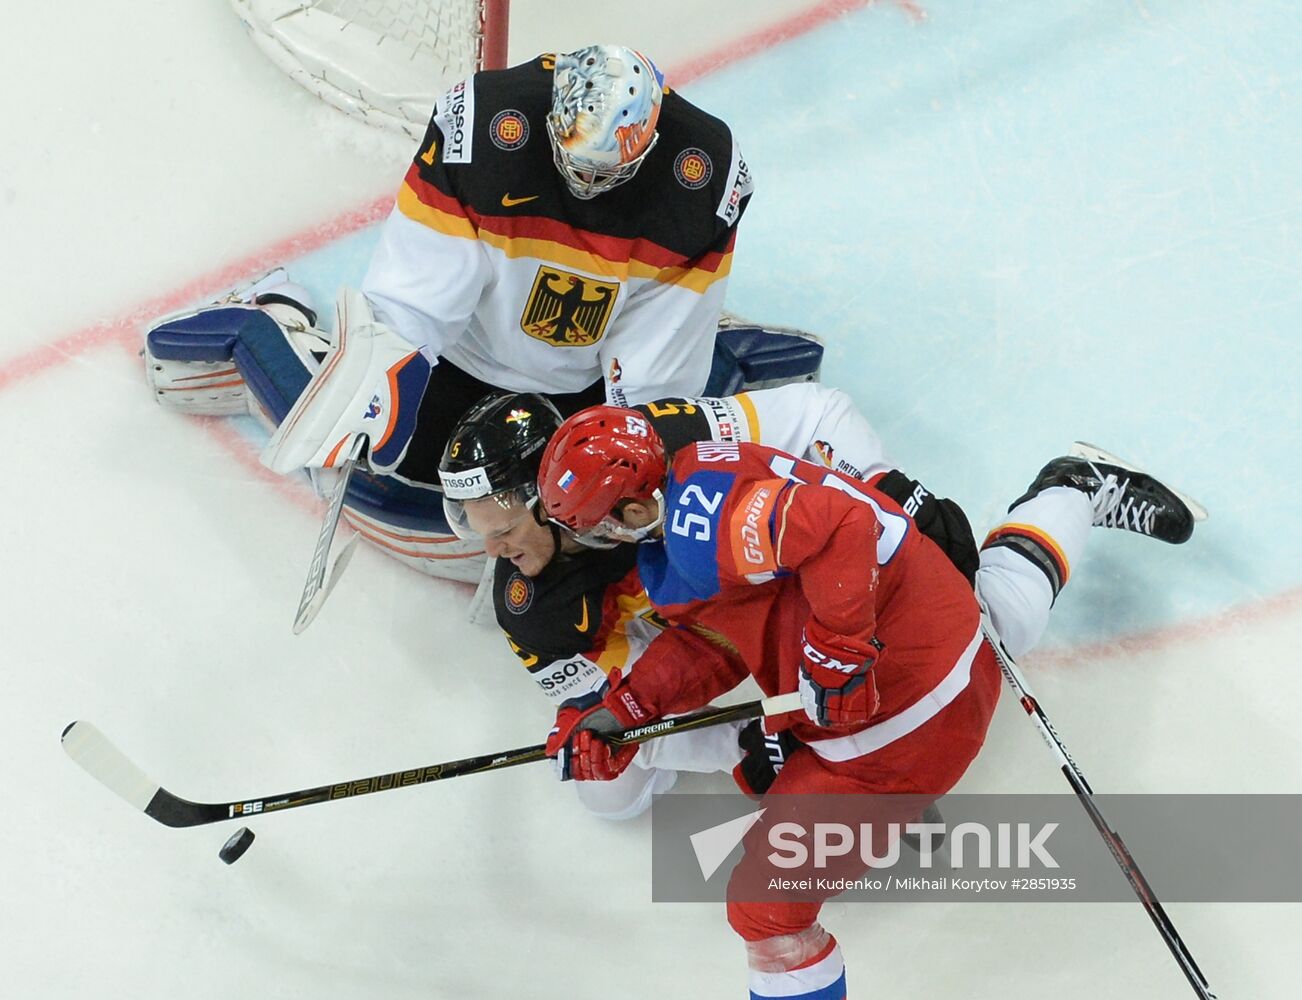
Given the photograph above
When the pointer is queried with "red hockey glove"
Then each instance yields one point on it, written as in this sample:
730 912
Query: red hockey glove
575 741
836 682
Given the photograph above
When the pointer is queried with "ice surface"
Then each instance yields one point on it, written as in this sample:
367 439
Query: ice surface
1015 224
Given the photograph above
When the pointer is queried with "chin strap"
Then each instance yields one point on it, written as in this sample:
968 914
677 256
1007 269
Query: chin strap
646 533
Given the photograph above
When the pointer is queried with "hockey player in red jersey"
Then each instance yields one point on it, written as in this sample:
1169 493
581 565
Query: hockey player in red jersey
813 582
574 614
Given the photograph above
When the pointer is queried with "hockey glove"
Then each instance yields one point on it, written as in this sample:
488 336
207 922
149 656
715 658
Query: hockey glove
836 683
765 755
941 520
575 741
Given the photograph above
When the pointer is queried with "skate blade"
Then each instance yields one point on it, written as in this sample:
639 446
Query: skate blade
1093 453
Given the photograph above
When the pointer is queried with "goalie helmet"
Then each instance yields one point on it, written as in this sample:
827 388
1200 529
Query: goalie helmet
599 457
494 451
602 124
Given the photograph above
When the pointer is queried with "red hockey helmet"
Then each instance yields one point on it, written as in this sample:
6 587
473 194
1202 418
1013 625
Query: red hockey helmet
597 458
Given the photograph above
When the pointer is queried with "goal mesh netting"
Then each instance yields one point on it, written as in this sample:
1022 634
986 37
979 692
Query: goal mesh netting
381 60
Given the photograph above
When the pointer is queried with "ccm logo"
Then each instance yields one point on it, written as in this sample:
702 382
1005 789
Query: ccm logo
634 709
821 659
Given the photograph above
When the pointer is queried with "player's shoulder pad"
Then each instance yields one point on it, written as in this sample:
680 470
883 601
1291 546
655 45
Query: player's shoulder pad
677 420
491 113
699 159
559 612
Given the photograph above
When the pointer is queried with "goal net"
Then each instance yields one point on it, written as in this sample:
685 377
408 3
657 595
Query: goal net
385 61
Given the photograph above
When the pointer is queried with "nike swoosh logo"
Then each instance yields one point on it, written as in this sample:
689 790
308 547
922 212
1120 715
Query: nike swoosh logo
583 625
508 201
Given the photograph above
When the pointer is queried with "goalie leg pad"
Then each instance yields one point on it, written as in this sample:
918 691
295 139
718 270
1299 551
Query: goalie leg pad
192 357
210 361
269 349
430 552
407 523
747 357
189 363
276 364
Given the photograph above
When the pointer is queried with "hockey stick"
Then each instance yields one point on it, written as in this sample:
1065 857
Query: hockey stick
1085 794
316 589
104 762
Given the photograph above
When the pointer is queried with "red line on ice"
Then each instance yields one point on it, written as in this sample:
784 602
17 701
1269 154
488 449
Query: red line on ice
775 34
1153 640
124 328
292 488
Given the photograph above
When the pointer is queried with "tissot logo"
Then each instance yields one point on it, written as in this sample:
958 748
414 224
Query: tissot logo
454 116
464 485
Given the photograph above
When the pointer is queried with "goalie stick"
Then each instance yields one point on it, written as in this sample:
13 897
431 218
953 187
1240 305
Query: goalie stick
108 765
317 588
1120 853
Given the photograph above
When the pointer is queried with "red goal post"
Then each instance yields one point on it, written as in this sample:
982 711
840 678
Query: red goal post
384 61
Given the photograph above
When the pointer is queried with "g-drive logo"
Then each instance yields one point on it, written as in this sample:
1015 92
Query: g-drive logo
820 845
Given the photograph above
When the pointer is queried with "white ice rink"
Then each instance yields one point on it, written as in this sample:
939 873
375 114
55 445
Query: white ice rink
1016 223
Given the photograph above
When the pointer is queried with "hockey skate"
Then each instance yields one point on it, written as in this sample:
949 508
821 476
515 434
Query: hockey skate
1123 495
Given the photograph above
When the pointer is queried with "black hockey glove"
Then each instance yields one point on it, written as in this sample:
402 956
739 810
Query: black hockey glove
765 755
943 521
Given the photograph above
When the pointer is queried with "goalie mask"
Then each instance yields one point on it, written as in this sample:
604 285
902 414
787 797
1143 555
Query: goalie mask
602 124
494 451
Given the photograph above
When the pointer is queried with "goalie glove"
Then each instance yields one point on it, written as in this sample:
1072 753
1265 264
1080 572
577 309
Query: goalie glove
576 738
370 384
836 680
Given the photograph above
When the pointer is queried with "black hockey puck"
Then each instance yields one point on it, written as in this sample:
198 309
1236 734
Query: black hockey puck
234 848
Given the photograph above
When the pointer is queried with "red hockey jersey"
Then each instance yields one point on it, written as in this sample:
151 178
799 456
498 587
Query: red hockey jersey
759 546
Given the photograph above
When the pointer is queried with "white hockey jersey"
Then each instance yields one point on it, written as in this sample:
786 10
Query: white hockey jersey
489 262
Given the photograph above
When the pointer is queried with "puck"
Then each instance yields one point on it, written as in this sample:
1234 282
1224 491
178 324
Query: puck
234 848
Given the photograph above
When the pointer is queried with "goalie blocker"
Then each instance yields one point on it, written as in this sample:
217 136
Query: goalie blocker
255 350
